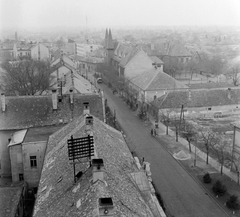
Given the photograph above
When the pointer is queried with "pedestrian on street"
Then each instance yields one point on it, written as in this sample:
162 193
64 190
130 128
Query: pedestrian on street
155 133
152 132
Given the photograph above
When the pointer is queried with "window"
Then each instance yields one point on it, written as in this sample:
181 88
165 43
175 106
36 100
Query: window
33 161
21 177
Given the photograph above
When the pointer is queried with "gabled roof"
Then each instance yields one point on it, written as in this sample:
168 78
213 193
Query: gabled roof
125 60
177 49
78 84
34 111
155 79
122 50
199 98
59 196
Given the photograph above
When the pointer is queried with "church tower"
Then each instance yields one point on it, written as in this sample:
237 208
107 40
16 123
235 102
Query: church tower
109 47
16 37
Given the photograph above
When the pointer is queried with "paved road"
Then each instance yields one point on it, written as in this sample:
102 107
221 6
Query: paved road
182 196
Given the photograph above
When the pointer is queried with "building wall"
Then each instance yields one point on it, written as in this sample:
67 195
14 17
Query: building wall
6 54
110 54
137 65
5 163
150 94
84 49
32 175
203 111
236 142
16 161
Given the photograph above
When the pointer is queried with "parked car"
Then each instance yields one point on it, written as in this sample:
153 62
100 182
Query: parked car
99 80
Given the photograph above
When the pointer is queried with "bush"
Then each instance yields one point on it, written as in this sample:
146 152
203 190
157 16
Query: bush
219 189
207 178
233 202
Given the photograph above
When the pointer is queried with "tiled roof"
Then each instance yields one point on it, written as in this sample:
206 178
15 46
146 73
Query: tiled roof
199 98
122 50
153 79
178 49
10 197
34 111
147 49
128 57
35 134
59 196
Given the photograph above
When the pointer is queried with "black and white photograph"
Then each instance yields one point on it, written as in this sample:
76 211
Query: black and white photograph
119 108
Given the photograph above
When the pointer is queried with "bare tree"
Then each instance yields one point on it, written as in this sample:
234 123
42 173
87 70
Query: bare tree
193 67
189 133
208 138
234 73
220 149
26 77
165 118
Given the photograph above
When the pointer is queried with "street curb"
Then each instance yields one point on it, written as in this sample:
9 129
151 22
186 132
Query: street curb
194 178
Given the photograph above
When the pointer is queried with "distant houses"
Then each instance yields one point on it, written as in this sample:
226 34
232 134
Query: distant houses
199 102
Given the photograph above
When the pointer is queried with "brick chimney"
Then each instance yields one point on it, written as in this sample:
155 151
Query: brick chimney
89 120
86 109
3 102
97 165
105 207
54 99
71 96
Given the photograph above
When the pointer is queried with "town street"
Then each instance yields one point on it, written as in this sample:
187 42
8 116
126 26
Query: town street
182 196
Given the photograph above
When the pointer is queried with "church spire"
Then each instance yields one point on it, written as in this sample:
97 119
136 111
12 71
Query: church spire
110 40
106 38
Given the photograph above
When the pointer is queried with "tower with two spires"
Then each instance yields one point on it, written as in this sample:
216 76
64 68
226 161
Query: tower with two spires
109 47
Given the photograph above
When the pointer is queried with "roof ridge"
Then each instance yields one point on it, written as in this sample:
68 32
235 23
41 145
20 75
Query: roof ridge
153 78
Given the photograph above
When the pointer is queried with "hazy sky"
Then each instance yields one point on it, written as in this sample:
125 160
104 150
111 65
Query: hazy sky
107 13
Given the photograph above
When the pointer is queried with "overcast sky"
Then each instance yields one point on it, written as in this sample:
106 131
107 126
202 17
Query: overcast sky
107 13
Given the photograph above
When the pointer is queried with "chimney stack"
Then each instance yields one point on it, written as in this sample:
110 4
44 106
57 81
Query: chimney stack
86 109
97 165
54 99
3 102
89 120
71 96
105 207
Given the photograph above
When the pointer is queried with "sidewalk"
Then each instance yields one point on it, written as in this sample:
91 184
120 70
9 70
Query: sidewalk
182 144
